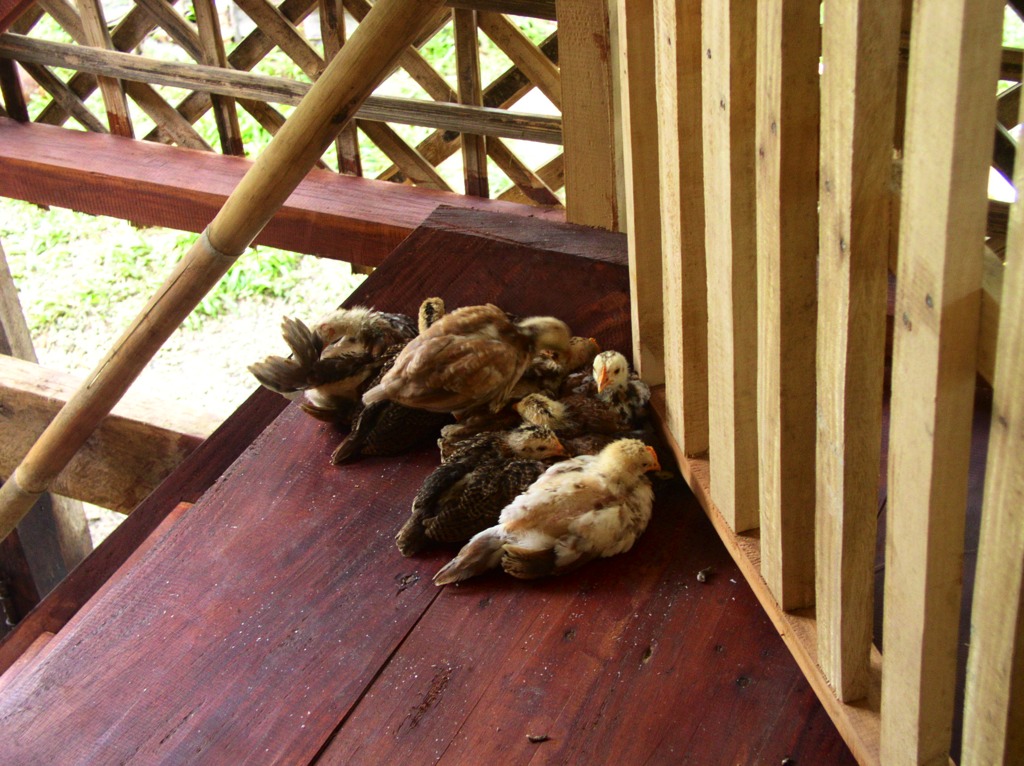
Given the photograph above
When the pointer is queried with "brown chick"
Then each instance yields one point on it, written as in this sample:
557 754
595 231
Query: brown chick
466 494
389 428
469 361
549 369
588 507
331 376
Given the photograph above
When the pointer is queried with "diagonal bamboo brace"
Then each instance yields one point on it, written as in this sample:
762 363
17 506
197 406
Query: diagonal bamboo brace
368 56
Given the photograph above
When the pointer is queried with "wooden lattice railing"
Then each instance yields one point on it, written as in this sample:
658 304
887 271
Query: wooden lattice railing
761 267
473 115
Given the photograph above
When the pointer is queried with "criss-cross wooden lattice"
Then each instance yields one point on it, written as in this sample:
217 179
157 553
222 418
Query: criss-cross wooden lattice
469 115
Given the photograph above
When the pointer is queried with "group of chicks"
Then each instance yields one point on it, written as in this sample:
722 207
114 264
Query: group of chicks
543 462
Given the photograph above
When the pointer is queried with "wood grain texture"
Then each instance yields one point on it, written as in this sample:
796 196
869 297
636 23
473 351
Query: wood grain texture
352 219
588 110
950 113
728 40
10 10
860 42
678 57
787 110
994 697
193 476
630 660
94 26
467 63
637 109
858 723
133 450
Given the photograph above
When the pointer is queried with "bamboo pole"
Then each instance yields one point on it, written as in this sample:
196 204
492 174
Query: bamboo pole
368 56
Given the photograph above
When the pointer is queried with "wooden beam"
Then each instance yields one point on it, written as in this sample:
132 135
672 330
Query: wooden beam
54 537
994 698
224 111
729 32
467 65
678 61
246 85
858 103
353 219
96 34
787 120
132 451
591 188
538 9
637 109
954 66
523 54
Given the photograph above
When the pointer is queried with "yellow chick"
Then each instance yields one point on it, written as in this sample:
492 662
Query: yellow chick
591 506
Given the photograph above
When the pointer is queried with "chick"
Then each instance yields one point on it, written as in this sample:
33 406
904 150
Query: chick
362 329
332 374
468 362
465 495
588 507
549 369
389 428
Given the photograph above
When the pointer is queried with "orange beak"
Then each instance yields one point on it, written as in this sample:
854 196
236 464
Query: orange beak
654 457
602 379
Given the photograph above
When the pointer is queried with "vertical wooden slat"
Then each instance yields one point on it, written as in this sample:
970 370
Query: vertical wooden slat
787 249
639 119
10 89
467 63
212 42
94 27
332 32
954 61
860 45
729 31
994 706
587 113
678 57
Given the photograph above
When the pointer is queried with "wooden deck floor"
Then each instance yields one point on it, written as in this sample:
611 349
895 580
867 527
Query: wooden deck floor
274 621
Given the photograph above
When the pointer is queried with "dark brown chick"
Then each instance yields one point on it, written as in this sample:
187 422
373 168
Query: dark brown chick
465 495
468 362
389 428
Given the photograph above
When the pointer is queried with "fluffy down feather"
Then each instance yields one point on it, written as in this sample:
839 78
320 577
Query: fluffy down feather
468 361
578 510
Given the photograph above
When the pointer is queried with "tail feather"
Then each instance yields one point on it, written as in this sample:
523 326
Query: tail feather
528 563
412 538
481 553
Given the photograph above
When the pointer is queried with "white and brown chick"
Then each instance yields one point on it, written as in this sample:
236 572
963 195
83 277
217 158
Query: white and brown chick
588 507
467 493
388 428
331 375
468 361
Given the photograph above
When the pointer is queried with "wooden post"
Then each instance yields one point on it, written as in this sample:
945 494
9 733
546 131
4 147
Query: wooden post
637 108
787 253
54 536
224 111
467 62
332 31
94 26
591 192
858 101
678 60
954 64
332 101
994 705
728 41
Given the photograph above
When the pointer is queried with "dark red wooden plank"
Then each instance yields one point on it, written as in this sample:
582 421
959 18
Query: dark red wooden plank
629 660
247 632
331 215
187 482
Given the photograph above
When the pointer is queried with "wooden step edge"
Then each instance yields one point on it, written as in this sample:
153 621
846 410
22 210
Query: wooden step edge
858 723
28 660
